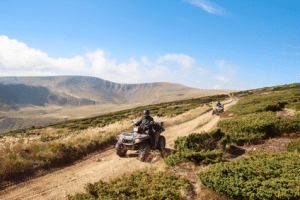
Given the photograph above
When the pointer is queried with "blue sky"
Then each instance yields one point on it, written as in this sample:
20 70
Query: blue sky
203 44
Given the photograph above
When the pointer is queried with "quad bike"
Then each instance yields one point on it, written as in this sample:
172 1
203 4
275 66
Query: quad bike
218 110
139 140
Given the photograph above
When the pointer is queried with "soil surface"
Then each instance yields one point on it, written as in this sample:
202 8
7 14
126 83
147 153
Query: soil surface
103 166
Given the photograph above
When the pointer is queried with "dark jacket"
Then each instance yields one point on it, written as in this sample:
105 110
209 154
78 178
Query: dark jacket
218 104
143 121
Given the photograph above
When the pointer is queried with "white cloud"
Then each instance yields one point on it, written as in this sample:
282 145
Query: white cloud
106 68
221 78
16 55
27 73
145 61
207 6
184 61
201 71
17 59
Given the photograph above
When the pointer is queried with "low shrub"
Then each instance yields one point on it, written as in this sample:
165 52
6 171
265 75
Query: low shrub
289 125
270 176
254 127
199 148
197 157
138 185
251 127
199 141
83 127
293 146
73 128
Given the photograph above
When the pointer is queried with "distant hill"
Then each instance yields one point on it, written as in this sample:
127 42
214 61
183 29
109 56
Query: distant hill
82 90
38 101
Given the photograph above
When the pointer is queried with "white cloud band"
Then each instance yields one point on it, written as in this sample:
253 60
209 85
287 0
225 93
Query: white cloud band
16 58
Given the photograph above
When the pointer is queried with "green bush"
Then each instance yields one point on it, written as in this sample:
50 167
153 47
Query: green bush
73 128
197 157
289 125
270 176
199 141
199 148
138 185
293 146
83 127
256 126
251 127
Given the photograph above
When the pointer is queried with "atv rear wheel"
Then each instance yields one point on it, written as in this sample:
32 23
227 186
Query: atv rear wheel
144 151
161 143
120 149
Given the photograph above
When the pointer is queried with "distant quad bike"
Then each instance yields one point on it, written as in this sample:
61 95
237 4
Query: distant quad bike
138 140
218 110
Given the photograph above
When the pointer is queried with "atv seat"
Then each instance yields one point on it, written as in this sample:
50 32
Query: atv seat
158 126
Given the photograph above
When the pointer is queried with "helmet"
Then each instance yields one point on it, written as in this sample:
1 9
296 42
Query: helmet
218 101
146 113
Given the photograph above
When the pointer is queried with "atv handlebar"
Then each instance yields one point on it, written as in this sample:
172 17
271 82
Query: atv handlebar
133 123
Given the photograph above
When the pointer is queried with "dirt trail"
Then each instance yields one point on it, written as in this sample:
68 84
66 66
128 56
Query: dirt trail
72 179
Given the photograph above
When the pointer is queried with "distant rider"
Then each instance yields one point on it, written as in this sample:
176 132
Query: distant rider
146 123
219 104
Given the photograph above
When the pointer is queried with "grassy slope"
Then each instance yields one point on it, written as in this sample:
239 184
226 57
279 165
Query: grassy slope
256 116
264 175
36 147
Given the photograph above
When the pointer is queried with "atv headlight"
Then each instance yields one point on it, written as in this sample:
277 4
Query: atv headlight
135 129
136 140
119 138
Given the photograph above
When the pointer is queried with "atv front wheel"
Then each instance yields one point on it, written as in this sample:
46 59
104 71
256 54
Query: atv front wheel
120 149
161 143
144 151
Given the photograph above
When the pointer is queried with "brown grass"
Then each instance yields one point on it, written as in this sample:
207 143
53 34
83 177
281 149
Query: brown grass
51 144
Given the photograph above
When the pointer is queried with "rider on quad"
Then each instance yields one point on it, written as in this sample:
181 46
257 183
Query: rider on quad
218 104
146 123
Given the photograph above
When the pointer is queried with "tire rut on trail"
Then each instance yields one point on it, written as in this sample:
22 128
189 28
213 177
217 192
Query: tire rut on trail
103 166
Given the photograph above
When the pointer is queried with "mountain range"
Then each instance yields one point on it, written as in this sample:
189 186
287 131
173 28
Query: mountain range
34 101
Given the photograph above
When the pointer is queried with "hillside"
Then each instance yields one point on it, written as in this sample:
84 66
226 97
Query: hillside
73 90
37 101
253 151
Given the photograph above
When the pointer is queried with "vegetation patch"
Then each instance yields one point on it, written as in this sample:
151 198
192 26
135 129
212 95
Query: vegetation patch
256 118
144 184
251 128
293 146
26 150
199 148
270 176
163 109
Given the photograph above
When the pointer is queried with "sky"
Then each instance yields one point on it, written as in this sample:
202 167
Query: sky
215 44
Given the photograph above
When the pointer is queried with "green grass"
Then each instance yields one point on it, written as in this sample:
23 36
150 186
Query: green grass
144 184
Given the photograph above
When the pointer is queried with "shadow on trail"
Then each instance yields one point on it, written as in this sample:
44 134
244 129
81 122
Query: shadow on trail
154 155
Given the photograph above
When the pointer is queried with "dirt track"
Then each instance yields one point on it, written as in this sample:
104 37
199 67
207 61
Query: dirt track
72 179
